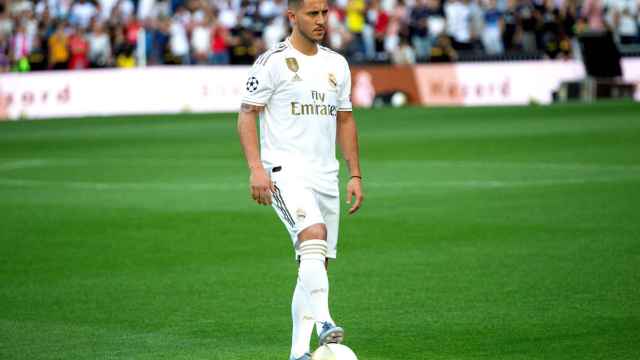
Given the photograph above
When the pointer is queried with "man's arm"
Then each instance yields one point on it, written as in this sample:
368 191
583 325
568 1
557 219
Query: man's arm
348 141
260 182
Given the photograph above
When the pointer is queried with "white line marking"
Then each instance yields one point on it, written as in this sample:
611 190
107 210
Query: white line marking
414 163
465 184
507 164
103 186
34 163
21 164
492 184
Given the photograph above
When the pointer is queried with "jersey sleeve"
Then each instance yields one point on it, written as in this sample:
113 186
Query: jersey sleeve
259 86
344 95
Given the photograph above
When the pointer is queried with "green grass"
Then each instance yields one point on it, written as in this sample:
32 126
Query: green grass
487 233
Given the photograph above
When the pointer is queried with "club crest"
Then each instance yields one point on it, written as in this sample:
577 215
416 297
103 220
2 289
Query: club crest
332 80
292 64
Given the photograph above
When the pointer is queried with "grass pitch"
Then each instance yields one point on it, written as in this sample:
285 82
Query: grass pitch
487 233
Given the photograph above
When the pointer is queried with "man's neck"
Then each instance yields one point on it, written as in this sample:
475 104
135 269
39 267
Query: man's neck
303 44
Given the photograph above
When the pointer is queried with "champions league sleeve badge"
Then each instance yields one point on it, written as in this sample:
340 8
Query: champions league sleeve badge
252 84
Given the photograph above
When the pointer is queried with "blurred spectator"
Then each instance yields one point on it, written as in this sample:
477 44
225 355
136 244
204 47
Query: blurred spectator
227 16
81 13
528 17
249 16
274 32
153 9
492 31
30 23
550 34
244 48
58 48
436 20
179 41
379 20
37 57
220 39
420 29
99 47
20 6
396 30
404 54
6 23
79 50
568 16
355 24
272 9
123 50
105 9
510 31
554 41
476 23
123 11
338 37
5 62
443 51
145 8
159 42
622 15
201 41
593 14
401 14
132 31
21 43
158 9
458 14
57 9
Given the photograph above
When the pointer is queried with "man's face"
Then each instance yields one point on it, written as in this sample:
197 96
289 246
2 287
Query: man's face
310 18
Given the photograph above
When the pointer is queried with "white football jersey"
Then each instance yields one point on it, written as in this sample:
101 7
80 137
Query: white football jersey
301 95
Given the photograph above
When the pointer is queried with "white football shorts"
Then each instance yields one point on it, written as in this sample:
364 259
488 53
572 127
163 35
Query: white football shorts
299 206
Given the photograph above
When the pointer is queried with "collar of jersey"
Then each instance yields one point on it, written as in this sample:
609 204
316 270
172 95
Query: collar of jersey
288 41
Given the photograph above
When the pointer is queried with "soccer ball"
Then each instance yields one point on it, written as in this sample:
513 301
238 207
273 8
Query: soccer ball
333 352
398 99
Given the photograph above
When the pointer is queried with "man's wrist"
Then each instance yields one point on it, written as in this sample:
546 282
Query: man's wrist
356 177
256 166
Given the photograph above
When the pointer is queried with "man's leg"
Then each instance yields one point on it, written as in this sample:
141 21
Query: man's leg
302 323
312 276
297 208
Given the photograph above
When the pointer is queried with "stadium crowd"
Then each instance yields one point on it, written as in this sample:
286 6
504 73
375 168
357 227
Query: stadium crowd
78 34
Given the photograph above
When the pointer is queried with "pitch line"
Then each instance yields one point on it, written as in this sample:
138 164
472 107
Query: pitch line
457 184
510 164
78 161
35 163
493 184
103 186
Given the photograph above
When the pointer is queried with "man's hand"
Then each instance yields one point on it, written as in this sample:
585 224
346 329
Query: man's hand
354 189
261 186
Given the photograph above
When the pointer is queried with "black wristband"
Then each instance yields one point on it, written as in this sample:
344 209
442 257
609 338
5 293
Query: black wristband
356 176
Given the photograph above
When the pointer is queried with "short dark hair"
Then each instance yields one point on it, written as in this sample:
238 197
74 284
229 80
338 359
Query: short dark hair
294 4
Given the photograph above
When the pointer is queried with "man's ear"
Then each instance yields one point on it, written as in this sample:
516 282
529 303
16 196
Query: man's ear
292 16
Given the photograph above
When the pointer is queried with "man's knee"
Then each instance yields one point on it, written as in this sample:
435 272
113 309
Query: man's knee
313 232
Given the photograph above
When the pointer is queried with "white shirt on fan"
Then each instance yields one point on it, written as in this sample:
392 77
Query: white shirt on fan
301 95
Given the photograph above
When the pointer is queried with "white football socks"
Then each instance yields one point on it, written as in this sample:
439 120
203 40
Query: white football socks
302 323
312 276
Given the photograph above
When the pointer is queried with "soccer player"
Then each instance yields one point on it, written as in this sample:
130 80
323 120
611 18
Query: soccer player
300 90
